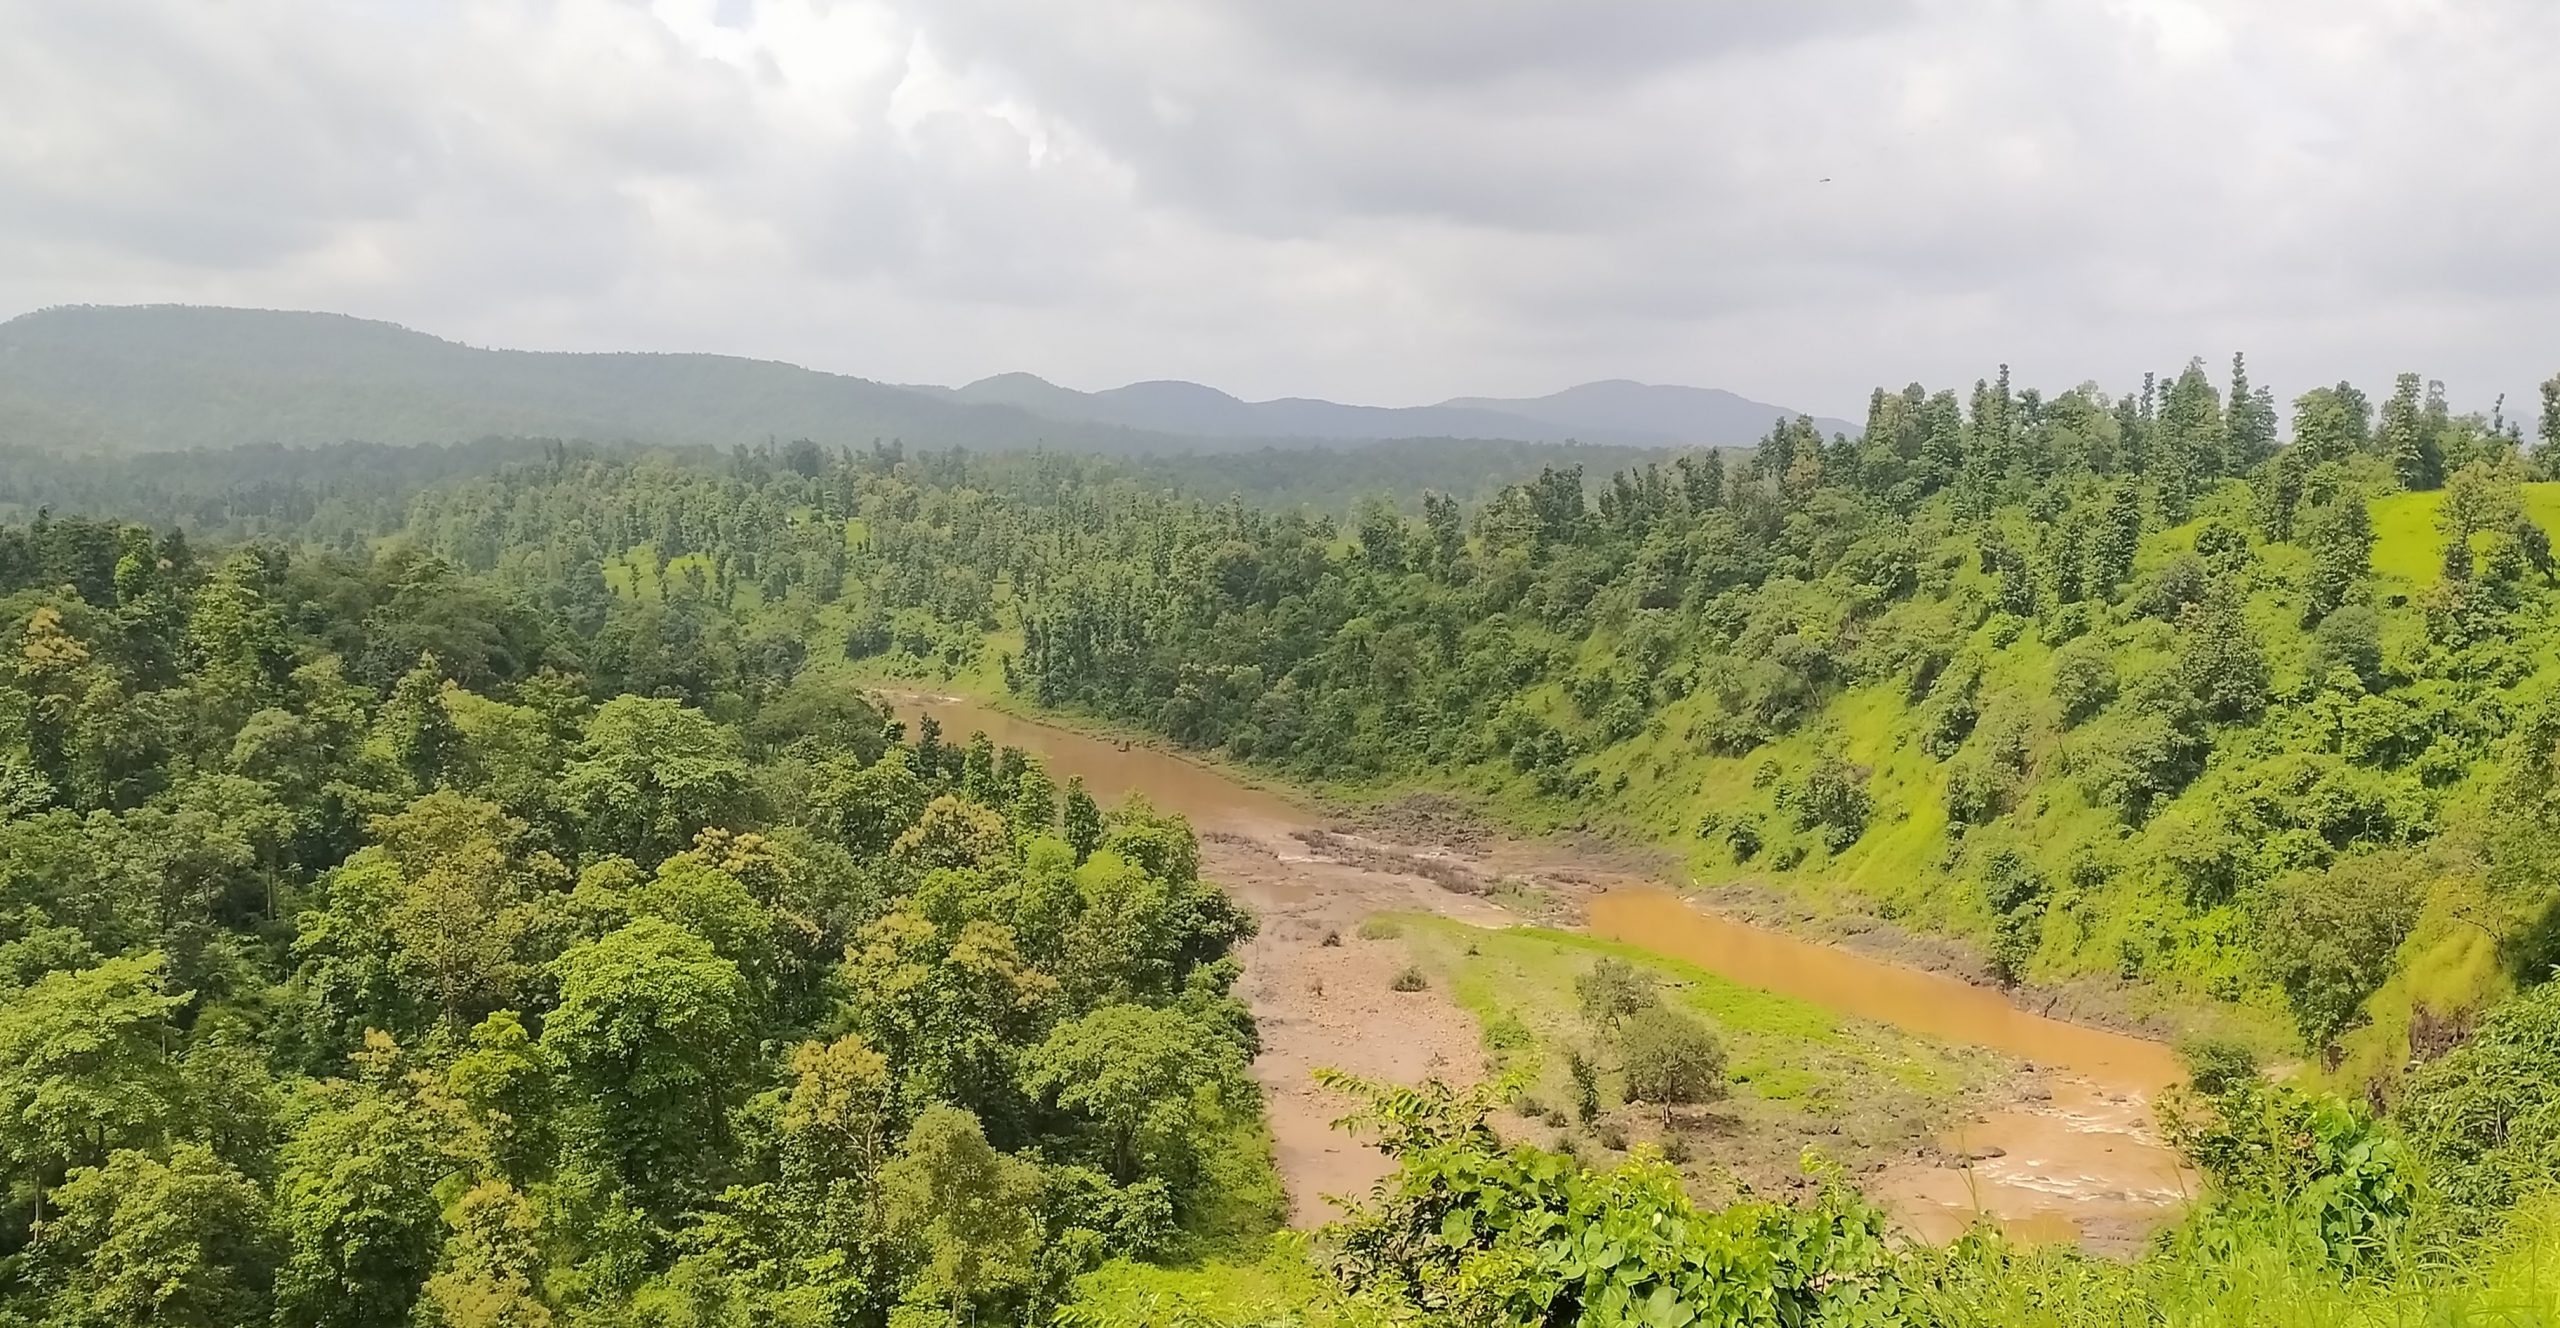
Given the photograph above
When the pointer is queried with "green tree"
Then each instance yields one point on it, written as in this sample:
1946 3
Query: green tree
491 1272
652 1034
2220 657
1083 819
84 1069
2406 440
356 1195
1670 1059
2339 534
651 774
1612 990
1150 1080
138 1242
2329 937
866 807
970 1211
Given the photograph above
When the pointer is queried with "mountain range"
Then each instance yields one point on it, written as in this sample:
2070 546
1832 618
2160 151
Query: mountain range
165 377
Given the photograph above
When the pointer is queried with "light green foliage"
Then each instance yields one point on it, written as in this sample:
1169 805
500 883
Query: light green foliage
492 1268
2486 1117
356 1193
970 1209
83 1068
1150 1080
656 771
143 1243
1467 1231
1613 991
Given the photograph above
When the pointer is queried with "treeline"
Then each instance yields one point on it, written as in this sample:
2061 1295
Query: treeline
379 948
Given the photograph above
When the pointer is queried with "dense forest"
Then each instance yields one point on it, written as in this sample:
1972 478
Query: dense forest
466 887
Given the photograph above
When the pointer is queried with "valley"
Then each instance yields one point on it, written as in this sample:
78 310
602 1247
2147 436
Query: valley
2039 1125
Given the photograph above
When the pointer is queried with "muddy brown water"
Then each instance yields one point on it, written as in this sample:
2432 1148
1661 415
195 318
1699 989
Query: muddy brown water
2072 1154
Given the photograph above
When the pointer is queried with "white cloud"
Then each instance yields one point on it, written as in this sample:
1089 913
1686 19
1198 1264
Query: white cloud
1331 197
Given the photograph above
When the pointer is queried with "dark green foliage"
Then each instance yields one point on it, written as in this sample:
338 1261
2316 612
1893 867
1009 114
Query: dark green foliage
1670 1059
2014 893
332 986
2329 937
1833 800
2486 1116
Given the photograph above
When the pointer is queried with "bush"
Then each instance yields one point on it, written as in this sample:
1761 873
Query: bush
1833 800
1975 792
1612 989
1611 1135
2486 1117
1410 978
1671 1060
2218 1065
1744 839
1380 929
1332 939
2329 938
1586 1084
2084 679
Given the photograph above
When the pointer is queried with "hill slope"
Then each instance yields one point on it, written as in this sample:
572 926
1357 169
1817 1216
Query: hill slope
1616 413
173 376
1684 414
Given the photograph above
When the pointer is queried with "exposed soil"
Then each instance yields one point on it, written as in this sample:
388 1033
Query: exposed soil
1322 1005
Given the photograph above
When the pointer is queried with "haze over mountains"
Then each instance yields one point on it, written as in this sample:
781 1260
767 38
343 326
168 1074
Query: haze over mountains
162 377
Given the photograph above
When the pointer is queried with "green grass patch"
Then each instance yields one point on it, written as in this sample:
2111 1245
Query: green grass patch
1800 1074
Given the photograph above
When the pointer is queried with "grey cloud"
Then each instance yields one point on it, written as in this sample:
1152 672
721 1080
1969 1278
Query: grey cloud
1392 202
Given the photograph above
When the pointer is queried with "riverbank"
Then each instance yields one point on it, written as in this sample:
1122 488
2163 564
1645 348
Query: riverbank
1438 827
2071 1138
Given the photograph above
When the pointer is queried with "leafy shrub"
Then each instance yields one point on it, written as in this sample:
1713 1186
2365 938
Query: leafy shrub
2015 894
2486 1116
1410 978
1586 1083
1612 989
1671 1059
2329 938
2218 1065
2084 679
1611 1135
1380 929
1975 792
2319 1165
1744 839
1833 799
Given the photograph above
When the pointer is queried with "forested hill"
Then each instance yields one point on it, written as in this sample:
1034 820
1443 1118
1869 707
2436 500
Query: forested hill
172 377
168 377
487 901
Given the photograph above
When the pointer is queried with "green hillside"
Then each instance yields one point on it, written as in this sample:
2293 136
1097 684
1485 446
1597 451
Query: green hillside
493 873
174 376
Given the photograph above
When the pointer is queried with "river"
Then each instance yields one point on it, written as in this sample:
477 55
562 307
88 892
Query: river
2072 1154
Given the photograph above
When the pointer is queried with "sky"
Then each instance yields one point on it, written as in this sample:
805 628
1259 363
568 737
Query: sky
1387 201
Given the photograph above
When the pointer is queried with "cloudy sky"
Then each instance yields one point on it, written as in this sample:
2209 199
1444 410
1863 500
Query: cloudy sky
1372 200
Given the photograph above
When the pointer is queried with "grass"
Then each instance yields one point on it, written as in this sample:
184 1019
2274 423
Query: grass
1800 1073
2263 1281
